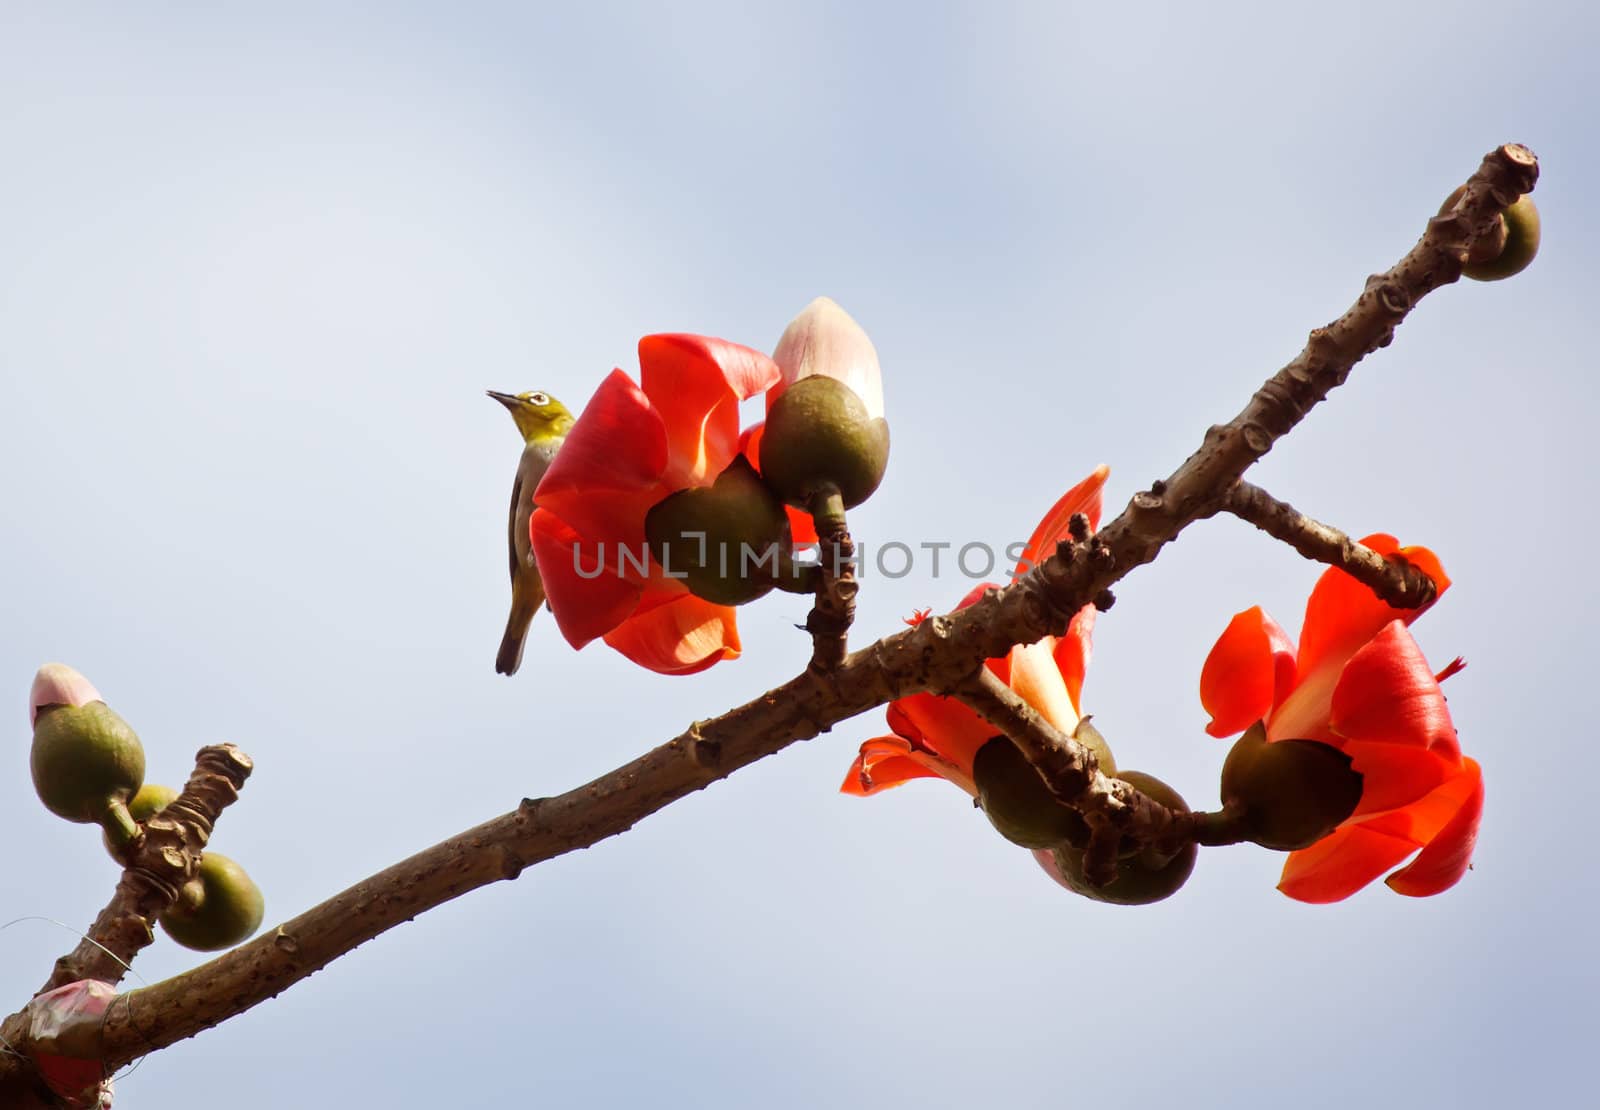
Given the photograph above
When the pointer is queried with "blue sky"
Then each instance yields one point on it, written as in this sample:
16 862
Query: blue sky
257 267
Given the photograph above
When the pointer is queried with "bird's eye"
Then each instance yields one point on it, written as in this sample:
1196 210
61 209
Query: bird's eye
539 398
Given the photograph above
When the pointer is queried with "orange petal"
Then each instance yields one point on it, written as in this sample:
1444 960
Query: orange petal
1072 654
1342 614
948 729
904 726
884 762
1422 821
1037 679
608 472
586 595
1341 863
1387 694
1394 776
695 383
682 636
1248 673
1446 857
1085 497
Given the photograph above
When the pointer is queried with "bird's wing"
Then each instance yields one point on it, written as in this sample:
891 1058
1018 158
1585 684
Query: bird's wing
535 461
511 524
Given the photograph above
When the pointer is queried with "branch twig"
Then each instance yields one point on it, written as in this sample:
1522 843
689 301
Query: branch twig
1394 580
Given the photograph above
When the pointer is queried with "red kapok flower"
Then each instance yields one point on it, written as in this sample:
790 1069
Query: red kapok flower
937 737
633 446
1358 683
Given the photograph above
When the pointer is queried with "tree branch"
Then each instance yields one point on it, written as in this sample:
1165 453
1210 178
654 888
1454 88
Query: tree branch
158 863
1394 580
939 654
1073 774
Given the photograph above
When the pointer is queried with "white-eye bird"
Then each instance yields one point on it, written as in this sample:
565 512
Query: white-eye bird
543 422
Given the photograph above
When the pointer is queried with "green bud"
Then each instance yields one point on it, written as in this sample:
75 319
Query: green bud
1142 875
86 764
819 434
217 909
1510 248
1291 793
728 540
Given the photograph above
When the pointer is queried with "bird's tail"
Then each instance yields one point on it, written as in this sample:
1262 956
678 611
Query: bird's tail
522 613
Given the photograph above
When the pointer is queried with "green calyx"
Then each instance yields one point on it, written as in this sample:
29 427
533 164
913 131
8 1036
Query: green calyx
1289 793
1510 248
1143 876
220 907
1018 803
728 541
87 763
819 434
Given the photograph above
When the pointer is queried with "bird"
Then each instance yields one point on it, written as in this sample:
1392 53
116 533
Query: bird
544 423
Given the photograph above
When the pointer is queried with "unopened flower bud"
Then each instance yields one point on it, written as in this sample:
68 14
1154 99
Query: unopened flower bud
825 427
86 761
220 907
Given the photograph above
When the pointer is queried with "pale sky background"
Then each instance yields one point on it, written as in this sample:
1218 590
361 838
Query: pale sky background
257 266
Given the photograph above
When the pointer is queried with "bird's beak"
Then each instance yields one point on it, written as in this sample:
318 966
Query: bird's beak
509 400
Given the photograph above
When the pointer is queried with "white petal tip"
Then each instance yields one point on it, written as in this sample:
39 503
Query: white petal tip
59 684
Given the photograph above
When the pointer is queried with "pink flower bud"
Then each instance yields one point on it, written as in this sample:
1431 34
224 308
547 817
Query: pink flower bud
824 340
59 684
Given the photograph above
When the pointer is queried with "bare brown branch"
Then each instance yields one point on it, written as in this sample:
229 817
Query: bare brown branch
1393 579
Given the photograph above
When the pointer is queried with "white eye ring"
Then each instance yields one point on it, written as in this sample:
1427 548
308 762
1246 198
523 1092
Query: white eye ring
539 398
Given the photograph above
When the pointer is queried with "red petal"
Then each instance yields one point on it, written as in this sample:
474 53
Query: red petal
1085 497
947 728
884 762
1341 863
608 471
586 605
903 726
1445 822
1248 673
1342 614
682 636
696 383
1396 775
1072 653
1387 694
801 527
1446 857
